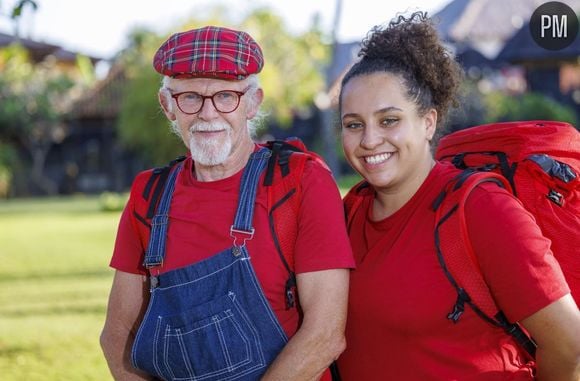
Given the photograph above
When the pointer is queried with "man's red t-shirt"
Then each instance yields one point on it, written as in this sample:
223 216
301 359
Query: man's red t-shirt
202 213
397 325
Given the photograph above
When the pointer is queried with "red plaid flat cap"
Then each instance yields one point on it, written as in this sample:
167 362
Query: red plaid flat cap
211 51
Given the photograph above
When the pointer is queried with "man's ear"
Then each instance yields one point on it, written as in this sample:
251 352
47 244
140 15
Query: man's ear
430 123
254 104
164 101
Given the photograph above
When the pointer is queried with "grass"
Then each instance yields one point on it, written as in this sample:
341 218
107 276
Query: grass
347 182
54 283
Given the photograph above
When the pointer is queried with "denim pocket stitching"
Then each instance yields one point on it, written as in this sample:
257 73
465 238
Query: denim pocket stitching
217 320
156 340
257 343
184 354
166 355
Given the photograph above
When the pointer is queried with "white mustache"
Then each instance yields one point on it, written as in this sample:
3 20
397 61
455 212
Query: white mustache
208 127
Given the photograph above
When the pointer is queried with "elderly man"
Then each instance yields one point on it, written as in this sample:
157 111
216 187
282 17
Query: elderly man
201 290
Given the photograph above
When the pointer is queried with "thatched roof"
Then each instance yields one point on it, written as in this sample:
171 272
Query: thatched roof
38 51
104 99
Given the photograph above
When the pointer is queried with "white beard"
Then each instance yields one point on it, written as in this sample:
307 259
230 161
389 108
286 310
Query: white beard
210 151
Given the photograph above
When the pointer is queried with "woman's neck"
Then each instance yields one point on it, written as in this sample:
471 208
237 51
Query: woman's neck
389 200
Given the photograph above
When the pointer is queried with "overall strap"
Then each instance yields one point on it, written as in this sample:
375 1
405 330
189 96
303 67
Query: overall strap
242 229
156 249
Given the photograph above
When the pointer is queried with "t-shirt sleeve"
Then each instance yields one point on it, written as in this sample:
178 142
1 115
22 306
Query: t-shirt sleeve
129 252
514 256
322 241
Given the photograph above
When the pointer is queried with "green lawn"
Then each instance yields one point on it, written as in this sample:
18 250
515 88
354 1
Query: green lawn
54 282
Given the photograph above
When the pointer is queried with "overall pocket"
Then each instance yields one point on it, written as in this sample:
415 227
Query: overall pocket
212 341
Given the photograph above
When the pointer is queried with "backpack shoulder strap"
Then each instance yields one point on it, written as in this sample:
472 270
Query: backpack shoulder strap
283 181
281 152
155 185
457 258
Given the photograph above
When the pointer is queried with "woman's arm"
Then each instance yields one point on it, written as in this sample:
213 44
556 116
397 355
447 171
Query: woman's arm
556 330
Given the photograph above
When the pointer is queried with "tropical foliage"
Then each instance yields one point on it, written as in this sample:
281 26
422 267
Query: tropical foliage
33 101
528 106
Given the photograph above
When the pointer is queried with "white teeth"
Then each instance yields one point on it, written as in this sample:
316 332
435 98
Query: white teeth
377 159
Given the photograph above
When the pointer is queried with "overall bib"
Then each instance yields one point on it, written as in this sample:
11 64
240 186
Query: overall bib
210 320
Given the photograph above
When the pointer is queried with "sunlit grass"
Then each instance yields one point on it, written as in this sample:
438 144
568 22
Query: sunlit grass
54 282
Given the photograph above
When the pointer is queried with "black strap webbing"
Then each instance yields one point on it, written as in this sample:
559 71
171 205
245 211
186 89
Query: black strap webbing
160 174
281 151
275 147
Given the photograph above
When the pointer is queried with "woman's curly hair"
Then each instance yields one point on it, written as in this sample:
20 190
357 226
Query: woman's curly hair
411 48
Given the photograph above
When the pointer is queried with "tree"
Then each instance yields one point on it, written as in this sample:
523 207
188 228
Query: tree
142 126
291 77
529 106
33 99
8 160
16 13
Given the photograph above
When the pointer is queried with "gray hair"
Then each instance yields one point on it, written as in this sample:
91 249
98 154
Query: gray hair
253 86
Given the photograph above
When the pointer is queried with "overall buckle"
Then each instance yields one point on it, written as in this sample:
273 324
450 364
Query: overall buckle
243 235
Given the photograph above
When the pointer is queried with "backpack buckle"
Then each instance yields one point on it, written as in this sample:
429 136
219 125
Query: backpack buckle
243 235
556 197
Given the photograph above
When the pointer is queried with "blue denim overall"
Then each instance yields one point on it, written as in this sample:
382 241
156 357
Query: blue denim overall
210 320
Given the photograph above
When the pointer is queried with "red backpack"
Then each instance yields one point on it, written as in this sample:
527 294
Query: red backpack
539 162
283 181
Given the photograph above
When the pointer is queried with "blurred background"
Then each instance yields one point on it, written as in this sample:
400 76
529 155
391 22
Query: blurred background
79 118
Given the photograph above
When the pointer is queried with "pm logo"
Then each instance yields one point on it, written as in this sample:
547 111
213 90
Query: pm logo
554 25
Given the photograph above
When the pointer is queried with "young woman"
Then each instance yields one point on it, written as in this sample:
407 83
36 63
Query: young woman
392 104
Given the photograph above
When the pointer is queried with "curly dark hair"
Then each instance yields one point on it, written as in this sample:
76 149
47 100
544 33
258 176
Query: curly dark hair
411 48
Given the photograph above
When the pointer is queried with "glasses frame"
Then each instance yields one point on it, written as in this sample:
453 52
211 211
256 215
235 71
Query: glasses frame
211 97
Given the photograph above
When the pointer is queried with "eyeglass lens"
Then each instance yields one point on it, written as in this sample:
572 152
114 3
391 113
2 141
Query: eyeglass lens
223 101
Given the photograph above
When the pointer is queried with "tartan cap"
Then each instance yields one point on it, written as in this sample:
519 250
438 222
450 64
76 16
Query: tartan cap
211 52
